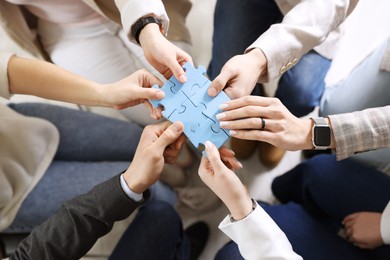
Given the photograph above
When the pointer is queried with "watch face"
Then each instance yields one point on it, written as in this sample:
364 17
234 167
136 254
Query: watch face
322 136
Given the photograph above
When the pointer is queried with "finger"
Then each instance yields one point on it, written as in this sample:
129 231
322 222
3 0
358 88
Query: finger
171 134
242 112
218 84
350 218
248 101
214 157
226 152
177 71
147 79
257 135
150 93
254 123
229 159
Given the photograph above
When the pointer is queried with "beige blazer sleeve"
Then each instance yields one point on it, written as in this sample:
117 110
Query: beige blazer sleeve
306 24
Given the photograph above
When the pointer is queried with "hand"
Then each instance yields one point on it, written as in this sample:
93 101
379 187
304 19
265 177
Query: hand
363 229
224 183
239 75
149 158
133 90
164 56
282 129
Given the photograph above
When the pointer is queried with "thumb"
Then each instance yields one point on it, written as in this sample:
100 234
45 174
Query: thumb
214 157
218 84
171 134
150 93
147 79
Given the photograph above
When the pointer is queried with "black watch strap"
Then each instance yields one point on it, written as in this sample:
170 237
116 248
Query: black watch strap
137 27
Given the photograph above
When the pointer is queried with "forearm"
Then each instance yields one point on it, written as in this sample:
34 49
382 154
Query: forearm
361 131
43 79
71 232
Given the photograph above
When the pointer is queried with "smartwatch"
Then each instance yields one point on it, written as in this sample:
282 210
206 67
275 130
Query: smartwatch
320 134
137 27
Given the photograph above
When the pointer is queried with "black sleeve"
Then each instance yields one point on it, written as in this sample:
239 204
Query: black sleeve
71 232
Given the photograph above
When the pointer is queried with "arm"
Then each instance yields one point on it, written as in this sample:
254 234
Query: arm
256 234
43 79
71 232
305 25
361 131
81 221
368 230
351 132
159 52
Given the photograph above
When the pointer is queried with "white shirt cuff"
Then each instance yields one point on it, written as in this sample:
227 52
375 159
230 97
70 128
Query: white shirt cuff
131 194
385 225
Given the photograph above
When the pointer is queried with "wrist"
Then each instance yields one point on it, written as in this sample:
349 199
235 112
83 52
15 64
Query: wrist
150 32
259 60
133 183
242 212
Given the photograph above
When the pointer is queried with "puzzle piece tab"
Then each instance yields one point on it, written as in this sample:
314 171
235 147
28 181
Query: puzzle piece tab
189 103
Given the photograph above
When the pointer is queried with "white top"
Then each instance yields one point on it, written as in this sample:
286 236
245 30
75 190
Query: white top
65 13
366 28
258 237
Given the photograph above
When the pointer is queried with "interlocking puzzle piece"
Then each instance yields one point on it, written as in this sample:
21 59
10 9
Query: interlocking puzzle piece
189 103
197 125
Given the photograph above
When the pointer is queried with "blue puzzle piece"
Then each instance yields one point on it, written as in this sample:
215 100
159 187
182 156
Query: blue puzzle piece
189 103
200 131
170 98
213 109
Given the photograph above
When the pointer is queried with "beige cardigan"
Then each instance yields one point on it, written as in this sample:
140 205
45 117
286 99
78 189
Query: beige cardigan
28 146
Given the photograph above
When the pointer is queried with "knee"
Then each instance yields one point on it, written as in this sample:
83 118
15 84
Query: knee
162 213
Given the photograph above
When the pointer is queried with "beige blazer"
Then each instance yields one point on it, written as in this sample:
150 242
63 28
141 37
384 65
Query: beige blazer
307 24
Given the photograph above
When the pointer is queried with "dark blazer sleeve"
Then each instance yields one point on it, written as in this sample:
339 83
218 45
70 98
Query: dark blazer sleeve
71 232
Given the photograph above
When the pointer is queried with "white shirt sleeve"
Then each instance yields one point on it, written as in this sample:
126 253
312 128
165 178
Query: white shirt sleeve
385 225
258 237
132 10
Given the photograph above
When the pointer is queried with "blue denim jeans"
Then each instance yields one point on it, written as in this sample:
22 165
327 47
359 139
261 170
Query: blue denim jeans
237 24
155 233
92 149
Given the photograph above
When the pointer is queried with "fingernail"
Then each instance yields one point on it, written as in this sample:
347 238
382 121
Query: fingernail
232 132
208 145
212 92
223 106
182 78
220 116
224 123
160 94
177 127
240 165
